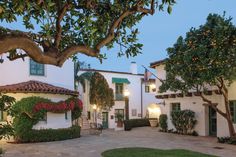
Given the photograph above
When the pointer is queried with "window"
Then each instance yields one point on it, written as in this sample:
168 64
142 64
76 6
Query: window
134 112
66 116
147 89
36 68
119 91
119 111
89 115
232 105
175 106
44 118
3 116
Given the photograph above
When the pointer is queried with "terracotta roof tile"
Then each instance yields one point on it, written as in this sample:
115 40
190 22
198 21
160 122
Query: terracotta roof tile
36 87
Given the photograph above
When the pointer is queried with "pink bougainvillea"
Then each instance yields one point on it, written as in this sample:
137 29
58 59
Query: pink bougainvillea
61 106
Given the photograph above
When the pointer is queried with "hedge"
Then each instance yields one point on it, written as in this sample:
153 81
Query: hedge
163 122
133 123
46 135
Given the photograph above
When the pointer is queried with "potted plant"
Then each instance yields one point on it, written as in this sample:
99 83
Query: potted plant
120 118
153 122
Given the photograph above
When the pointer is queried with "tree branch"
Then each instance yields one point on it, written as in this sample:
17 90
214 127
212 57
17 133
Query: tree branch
136 8
214 106
61 13
29 46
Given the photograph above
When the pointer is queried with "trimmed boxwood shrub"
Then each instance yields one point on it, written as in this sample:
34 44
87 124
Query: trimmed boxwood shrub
132 123
46 135
184 121
163 122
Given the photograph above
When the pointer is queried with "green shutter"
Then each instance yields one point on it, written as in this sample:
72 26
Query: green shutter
120 80
232 106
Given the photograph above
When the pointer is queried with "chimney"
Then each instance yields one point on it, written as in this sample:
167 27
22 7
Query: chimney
133 68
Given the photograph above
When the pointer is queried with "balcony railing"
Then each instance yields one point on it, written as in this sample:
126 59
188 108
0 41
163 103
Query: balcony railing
119 97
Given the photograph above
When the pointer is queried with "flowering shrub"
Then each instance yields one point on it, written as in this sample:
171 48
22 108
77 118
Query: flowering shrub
29 111
61 106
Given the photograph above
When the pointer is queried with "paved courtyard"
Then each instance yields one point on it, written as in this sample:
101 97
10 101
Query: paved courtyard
93 145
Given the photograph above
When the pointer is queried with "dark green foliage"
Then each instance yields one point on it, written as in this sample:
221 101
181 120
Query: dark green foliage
205 56
25 118
83 77
163 122
100 93
184 121
84 22
133 123
229 140
6 131
148 152
5 103
77 111
46 135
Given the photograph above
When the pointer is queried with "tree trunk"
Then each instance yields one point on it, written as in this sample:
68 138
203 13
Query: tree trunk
231 127
228 115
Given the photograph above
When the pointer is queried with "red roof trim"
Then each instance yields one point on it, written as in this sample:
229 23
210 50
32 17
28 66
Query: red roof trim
36 87
157 63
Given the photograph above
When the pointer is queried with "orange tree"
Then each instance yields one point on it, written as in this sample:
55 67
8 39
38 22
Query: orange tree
67 27
205 57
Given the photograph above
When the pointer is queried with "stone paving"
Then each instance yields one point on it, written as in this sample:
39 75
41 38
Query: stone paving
93 145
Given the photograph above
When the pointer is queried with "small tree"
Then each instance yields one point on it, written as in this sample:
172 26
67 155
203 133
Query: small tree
100 93
205 58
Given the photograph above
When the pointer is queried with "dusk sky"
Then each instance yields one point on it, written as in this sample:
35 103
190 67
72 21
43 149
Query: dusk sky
160 31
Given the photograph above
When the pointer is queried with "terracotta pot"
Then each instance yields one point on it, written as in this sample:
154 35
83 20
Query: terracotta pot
119 124
153 123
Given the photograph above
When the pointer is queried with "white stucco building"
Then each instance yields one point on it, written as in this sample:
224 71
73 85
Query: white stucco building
208 121
141 95
21 79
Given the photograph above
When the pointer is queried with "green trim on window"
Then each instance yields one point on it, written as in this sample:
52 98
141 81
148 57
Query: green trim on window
175 106
66 115
120 80
37 68
120 111
147 89
232 106
119 92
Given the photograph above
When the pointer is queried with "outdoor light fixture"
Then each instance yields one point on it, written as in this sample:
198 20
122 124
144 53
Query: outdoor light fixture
126 93
153 86
94 106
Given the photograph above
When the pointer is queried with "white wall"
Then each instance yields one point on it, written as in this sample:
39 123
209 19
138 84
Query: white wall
134 98
18 71
54 120
195 103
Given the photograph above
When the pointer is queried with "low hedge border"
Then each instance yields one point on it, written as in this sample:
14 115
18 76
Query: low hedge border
47 135
133 123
